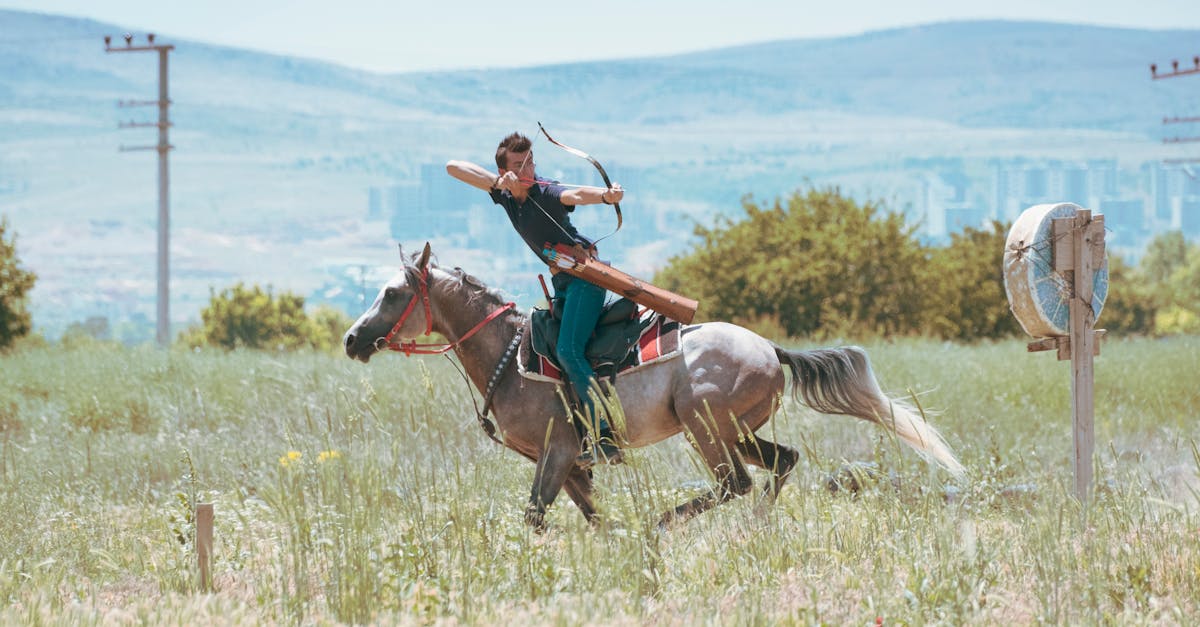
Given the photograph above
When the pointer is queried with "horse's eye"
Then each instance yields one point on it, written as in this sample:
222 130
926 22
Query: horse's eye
389 295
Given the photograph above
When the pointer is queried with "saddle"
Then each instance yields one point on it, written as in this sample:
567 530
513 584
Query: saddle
622 340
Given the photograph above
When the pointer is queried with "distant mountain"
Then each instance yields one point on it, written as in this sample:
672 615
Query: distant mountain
981 74
275 155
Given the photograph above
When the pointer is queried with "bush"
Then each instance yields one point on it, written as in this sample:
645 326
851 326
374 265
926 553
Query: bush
249 317
1130 307
825 265
1161 296
15 283
821 264
964 294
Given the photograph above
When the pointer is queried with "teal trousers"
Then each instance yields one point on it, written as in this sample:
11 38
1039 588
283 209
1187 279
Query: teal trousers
581 310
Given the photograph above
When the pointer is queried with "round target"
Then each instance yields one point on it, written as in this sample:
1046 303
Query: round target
1039 296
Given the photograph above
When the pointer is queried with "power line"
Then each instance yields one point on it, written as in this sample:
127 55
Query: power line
19 41
1175 71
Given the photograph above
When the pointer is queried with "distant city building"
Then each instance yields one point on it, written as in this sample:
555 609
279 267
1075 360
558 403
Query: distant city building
944 208
1189 221
1124 219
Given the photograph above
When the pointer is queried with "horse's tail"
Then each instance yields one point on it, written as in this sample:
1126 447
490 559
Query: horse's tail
840 381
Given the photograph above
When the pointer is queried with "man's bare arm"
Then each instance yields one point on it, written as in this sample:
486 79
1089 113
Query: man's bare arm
473 174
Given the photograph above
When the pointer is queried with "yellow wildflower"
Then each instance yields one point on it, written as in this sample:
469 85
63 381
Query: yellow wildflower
290 458
327 455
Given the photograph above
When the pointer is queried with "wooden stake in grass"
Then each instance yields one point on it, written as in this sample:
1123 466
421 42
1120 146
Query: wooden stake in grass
204 539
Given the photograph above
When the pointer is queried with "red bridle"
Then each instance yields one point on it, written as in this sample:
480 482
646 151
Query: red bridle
411 347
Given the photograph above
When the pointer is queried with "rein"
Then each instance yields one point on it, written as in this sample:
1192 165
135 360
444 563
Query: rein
411 347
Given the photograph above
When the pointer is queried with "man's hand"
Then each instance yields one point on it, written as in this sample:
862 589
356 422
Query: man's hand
612 195
508 181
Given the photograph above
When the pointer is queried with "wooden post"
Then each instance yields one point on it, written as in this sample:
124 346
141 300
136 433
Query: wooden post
1078 253
1082 374
204 539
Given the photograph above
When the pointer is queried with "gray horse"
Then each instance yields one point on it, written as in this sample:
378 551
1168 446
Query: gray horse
726 384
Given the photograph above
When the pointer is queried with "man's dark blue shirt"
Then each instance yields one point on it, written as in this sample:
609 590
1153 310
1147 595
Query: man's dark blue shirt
535 218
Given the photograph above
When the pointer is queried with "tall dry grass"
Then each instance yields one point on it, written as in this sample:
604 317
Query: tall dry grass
347 493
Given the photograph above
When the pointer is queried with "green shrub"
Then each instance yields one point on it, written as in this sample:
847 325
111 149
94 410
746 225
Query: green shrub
249 317
15 283
818 264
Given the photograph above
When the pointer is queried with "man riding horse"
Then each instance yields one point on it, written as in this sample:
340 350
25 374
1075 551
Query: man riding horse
540 212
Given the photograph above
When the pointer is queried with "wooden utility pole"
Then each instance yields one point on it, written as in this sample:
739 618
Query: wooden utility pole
163 326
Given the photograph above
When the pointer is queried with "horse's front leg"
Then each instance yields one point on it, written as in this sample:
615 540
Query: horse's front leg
579 488
553 467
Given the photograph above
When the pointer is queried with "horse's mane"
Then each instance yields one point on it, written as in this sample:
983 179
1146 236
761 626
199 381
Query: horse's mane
467 287
475 289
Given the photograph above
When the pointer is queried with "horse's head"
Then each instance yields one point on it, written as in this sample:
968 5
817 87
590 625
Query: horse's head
399 299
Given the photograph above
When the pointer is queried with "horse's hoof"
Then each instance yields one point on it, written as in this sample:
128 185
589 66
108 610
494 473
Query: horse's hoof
536 520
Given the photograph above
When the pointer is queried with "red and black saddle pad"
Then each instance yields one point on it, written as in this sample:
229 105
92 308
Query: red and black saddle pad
658 341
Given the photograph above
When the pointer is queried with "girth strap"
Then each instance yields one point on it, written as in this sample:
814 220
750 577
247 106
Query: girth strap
489 426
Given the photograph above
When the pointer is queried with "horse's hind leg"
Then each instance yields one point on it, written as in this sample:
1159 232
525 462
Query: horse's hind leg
777 458
732 480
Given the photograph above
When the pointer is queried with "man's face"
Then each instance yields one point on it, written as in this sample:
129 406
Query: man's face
521 163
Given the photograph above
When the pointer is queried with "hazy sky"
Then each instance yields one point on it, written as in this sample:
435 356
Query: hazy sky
400 35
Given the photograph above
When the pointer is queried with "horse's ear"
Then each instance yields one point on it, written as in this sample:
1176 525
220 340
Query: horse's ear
421 263
403 259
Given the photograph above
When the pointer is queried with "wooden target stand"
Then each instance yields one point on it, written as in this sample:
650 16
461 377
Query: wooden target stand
1078 253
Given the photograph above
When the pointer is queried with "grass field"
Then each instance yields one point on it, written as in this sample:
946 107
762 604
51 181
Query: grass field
347 493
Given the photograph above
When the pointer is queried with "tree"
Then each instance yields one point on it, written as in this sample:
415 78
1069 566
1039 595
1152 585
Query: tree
15 283
822 264
1184 282
964 286
1163 292
1164 254
329 324
1130 306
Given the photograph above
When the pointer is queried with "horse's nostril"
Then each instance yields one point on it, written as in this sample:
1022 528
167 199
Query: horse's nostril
349 340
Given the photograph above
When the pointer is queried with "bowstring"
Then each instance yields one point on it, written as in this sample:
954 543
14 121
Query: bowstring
596 164
535 202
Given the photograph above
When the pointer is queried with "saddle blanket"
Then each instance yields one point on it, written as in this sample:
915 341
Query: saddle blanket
659 341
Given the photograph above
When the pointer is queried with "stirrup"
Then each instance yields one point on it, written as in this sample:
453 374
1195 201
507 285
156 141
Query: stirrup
605 451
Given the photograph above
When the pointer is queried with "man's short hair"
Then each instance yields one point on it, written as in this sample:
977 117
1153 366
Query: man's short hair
515 142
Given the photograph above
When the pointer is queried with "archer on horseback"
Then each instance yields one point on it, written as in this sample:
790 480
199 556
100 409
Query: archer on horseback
539 210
